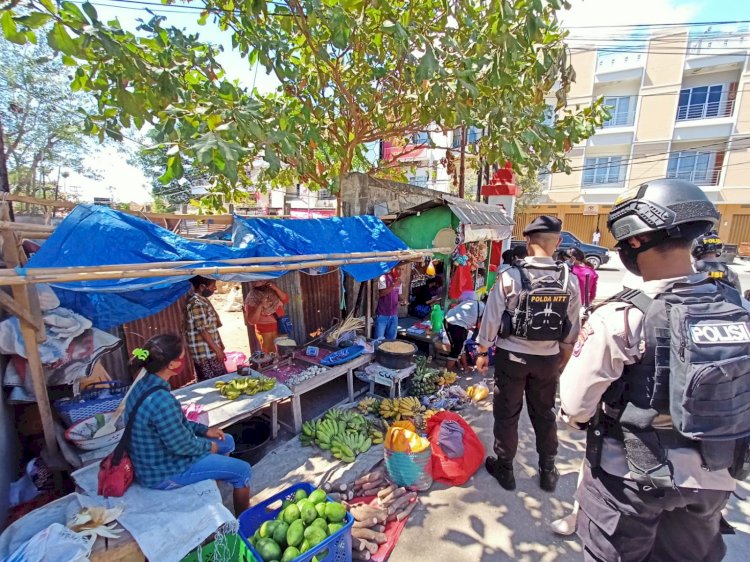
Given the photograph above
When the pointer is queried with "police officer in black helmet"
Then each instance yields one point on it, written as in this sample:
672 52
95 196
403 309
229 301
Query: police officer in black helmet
645 380
706 251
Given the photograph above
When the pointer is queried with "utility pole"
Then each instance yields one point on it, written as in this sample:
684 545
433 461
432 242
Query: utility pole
480 172
462 169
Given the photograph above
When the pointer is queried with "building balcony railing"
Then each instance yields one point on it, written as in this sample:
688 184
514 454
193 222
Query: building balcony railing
622 119
697 176
717 45
614 62
709 110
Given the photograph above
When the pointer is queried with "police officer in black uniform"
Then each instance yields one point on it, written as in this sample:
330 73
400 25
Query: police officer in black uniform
648 493
534 335
706 251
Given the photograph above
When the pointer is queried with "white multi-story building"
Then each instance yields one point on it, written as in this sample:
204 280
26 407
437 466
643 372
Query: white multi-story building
680 108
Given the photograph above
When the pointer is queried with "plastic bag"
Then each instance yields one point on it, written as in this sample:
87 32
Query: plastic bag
478 392
402 437
454 470
195 413
56 543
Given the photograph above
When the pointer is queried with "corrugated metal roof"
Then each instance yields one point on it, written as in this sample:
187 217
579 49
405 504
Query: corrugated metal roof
468 212
480 214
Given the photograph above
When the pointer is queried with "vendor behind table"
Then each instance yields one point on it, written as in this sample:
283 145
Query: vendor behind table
264 305
203 323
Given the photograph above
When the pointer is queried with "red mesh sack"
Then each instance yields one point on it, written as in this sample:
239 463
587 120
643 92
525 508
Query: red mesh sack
455 471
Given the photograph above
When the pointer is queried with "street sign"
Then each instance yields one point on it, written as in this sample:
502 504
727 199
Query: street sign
590 210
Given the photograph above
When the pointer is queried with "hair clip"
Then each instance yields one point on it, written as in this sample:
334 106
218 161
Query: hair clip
140 353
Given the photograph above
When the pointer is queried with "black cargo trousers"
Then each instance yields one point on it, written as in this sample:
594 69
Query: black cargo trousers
534 376
618 522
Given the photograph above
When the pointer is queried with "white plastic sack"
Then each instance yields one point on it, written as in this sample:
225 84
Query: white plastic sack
56 543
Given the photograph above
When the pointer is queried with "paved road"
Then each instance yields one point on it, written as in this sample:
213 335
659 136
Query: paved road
481 522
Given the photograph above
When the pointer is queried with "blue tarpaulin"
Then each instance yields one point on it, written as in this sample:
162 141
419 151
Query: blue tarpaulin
338 235
96 236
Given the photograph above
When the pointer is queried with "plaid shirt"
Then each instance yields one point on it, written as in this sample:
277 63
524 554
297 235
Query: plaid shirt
163 442
201 316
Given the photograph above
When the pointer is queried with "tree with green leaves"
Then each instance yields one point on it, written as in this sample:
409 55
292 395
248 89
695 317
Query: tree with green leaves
351 72
42 127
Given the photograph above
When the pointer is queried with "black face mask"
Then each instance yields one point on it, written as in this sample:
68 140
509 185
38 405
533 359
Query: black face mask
207 293
629 255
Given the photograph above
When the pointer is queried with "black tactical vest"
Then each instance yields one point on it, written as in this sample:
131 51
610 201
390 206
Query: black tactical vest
695 368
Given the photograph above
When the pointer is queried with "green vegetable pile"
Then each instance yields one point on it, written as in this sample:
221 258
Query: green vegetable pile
424 379
302 524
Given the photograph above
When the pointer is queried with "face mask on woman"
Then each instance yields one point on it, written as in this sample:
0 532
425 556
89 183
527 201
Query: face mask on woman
206 293
180 364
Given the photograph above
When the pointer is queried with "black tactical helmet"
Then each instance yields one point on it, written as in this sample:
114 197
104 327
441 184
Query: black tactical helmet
707 244
664 208
678 208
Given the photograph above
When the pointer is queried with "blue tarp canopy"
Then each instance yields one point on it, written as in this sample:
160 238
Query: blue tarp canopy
95 236
299 237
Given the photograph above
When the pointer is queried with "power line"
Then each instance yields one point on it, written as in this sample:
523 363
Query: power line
656 25
723 143
635 181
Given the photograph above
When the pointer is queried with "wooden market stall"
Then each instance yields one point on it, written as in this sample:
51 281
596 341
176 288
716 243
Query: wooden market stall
466 228
21 278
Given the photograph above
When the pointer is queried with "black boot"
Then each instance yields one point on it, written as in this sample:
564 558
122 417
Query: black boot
548 474
502 471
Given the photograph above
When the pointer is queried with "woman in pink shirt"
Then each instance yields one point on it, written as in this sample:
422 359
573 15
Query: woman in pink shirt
583 270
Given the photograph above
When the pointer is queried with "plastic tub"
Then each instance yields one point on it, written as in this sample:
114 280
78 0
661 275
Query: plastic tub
250 439
339 544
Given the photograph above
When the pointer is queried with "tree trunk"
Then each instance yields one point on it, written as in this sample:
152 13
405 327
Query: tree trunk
462 170
4 182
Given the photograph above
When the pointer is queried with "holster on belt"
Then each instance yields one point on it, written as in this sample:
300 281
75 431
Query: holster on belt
595 439
646 456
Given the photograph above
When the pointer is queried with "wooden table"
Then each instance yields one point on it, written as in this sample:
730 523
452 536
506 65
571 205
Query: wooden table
222 412
319 380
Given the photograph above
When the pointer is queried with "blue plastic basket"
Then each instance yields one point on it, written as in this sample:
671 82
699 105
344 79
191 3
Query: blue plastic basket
99 398
339 544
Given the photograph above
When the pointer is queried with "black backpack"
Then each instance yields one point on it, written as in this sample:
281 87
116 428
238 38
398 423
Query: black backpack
542 312
696 368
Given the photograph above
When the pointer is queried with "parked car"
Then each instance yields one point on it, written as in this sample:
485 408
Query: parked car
595 255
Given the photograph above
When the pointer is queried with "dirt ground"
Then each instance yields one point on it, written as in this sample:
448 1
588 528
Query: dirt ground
228 303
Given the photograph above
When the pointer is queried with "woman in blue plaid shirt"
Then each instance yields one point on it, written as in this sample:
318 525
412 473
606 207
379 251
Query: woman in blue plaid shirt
167 450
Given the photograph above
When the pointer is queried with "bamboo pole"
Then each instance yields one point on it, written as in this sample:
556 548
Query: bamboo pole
28 300
25 226
392 255
14 279
368 320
